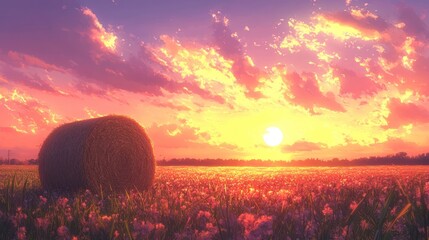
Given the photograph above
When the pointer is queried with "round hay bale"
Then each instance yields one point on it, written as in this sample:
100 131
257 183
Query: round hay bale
111 153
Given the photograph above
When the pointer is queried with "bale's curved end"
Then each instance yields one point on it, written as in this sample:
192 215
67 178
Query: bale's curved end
111 153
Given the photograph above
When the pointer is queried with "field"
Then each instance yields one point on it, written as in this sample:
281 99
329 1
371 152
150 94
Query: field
384 202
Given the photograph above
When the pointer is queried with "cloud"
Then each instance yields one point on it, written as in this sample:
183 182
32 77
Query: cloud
7 130
306 93
30 116
405 113
11 75
355 85
168 103
230 47
201 70
413 24
22 60
63 35
356 23
303 146
176 136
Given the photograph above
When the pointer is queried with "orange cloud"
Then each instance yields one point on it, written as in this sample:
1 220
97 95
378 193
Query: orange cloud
29 114
99 33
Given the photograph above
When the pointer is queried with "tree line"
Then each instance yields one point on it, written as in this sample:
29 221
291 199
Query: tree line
401 158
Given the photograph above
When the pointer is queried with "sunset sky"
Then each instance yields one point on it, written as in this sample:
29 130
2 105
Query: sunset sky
207 78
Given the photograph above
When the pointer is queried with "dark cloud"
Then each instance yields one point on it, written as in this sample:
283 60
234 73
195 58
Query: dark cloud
414 25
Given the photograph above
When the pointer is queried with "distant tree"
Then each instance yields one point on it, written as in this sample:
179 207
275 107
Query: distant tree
15 161
33 161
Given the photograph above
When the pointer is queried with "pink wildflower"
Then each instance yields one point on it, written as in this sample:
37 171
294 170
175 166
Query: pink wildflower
353 205
263 228
62 201
21 233
43 200
63 231
364 224
327 211
42 223
246 220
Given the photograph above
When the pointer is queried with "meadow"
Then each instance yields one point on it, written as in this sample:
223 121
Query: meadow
378 202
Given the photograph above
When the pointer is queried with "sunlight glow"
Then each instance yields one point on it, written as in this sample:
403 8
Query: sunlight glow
273 136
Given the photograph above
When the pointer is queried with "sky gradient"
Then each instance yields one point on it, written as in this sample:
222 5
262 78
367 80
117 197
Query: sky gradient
207 78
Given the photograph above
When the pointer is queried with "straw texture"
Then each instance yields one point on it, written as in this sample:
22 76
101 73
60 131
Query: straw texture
111 153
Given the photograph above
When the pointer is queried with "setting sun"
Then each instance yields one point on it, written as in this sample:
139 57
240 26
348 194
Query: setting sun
273 136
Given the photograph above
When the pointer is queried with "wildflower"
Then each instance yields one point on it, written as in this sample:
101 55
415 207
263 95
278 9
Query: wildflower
116 234
353 205
160 226
246 220
310 229
364 224
19 217
164 204
106 219
297 199
62 201
327 211
21 233
63 231
203 217
142 228
263 228
42 223
344 231
43 200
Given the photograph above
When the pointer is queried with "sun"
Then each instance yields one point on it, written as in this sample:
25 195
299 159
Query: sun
273 136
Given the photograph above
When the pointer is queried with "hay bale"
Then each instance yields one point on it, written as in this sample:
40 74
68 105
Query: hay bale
111 153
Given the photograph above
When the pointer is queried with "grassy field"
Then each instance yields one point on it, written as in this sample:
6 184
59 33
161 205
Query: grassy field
384 202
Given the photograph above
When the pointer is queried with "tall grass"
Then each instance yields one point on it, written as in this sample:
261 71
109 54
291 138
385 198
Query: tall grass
226 203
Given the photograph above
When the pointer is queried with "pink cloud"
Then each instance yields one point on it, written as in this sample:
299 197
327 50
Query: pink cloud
22 60
12 75
405 113
230 47
61 33
7 130
352 83
307 94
